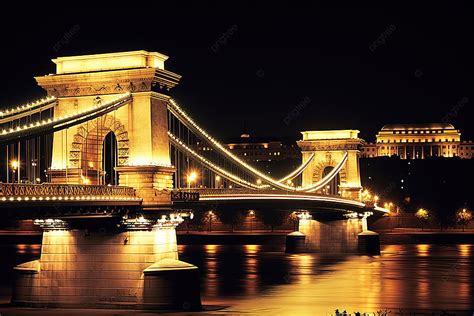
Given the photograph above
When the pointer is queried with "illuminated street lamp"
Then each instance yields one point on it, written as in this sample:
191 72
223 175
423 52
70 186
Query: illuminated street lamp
210 215
252 216
14 164
218 179
191 178
34 164
259 182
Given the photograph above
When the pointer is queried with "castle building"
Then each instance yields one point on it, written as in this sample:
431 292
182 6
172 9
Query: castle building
418 141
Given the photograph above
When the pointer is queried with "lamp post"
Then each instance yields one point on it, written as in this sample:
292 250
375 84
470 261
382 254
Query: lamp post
191 177
14 164
376 199
210 214
217 181
252 215
34 164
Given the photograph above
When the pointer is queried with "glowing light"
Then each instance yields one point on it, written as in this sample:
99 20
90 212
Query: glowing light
14 164
192 176
178 112
59 123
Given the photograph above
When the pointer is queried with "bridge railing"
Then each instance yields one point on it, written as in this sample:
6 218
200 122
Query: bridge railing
227 191
62 190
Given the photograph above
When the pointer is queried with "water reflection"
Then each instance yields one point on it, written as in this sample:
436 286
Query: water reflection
423 250
265 280
410 277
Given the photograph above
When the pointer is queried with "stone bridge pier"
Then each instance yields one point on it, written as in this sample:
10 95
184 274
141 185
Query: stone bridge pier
101 267
349 235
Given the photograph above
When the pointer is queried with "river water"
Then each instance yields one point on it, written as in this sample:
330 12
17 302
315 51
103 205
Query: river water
262 279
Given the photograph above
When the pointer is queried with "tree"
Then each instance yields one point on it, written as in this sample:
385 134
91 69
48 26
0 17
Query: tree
294 219
423 215
198 221
463 217
231 217
272 218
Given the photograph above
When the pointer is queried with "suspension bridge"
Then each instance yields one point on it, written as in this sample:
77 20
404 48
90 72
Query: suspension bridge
108 164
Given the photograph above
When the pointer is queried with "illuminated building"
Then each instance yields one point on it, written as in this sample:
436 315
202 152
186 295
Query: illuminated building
466 149
260 149
418 141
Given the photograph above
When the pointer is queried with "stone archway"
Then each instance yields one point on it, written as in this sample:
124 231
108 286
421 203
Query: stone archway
318 170
86 150
329 148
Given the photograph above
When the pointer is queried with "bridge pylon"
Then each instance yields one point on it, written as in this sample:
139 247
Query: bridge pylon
140 128
329 146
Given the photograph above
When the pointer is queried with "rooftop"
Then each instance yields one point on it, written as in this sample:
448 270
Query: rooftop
111 61
330 134
417 126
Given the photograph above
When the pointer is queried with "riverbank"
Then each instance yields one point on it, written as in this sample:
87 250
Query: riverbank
397 236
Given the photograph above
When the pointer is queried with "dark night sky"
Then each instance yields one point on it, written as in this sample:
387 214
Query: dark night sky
276 56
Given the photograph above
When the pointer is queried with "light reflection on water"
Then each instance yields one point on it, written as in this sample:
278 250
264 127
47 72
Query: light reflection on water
264 278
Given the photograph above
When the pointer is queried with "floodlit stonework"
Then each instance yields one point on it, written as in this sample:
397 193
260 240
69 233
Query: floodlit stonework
330 148
79 268
140 127
418 141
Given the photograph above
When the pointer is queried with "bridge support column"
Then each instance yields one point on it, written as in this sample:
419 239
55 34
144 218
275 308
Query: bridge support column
136 269
152 183
339 236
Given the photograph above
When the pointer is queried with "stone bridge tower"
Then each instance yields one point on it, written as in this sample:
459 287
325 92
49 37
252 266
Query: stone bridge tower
329 148
140 127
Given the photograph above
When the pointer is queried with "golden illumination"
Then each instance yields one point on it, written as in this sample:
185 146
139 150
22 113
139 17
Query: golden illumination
112 61
14 164
191 177
422 214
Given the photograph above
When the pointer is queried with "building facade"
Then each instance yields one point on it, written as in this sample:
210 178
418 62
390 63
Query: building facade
418 141
253 149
